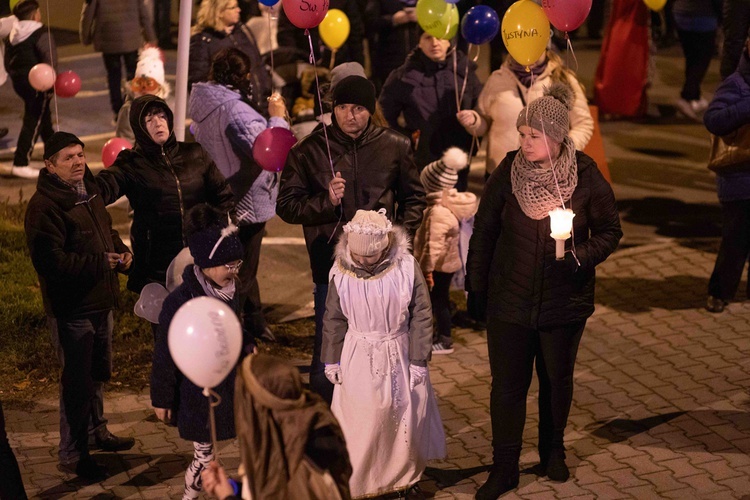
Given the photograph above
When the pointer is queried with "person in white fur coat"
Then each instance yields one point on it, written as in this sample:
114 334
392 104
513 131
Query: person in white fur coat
436 244
508 90
377 335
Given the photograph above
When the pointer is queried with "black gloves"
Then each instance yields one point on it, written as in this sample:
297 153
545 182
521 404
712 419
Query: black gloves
476 306
568 265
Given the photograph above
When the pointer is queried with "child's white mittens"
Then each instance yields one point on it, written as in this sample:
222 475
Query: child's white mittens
417 375
333 373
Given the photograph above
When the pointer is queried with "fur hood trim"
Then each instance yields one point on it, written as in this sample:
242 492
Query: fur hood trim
398 248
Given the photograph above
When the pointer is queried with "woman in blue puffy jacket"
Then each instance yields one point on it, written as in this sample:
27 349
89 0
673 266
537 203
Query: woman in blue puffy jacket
226 124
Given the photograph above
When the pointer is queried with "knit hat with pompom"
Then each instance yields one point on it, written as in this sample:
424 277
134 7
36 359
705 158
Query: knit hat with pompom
443 173
367 232
550 113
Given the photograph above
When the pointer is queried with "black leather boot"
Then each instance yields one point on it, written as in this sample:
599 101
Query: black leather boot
554 467
503 478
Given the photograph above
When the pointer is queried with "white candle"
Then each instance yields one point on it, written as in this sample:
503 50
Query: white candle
561 223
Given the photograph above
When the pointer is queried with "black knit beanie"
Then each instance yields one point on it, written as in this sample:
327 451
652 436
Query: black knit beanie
355 90
203 242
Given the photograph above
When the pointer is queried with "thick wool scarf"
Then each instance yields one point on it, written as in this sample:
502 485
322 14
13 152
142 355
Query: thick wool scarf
535 187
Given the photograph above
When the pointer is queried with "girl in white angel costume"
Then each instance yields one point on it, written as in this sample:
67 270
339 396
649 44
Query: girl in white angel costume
377 339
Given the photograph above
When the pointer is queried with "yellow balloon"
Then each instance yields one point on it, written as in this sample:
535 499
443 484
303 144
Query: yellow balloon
438 18
334 29
13 3
525 31
655 5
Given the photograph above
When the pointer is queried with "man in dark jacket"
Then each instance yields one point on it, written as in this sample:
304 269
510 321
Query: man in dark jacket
77 255
377 165
162 179
424 90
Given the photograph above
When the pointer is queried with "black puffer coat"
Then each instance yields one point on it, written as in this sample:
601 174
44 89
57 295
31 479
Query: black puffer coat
380 173
162 184
171 389
206 44
67 241
512 257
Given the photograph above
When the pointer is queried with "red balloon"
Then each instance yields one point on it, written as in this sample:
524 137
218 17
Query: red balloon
566 15
112 148
272 147
305 14
67 84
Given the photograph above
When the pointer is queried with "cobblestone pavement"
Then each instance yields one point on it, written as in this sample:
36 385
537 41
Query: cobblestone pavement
660 407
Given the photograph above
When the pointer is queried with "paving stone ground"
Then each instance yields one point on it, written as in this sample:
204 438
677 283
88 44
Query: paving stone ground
660 410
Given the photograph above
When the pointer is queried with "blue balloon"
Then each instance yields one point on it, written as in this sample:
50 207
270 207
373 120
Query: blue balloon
480 24
269 3
452 1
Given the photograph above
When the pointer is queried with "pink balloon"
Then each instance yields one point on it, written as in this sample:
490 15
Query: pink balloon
42 77
272 147
67 84
112 148
566 15
305 14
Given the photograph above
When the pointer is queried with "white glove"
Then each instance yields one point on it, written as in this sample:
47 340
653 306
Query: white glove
333 373
417 375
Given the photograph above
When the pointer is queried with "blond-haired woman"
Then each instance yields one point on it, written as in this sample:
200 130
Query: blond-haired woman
219 27
508 90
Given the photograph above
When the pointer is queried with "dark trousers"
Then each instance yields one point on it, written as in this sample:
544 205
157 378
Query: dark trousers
251 236
84 349
37 120
512 352
163 22
113 65
733 251
441 307
318 381
698 48
11 485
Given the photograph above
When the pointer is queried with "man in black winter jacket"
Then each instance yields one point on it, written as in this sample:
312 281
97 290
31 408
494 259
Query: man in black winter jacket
77 256
374 168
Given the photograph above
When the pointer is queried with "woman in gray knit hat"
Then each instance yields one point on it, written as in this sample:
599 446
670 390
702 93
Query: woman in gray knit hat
535 304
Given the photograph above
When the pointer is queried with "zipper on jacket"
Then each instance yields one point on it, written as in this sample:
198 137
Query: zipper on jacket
104 241
179 195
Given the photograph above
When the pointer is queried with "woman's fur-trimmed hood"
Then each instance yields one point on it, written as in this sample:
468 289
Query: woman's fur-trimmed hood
399 247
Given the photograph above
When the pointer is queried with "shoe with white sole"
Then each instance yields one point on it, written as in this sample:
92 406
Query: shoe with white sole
440 348
686 108
24 172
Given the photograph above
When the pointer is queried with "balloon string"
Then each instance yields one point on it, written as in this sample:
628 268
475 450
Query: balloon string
270 41
333 63
325 127
466 79
479 49
214 400
54 94
570 52
455 79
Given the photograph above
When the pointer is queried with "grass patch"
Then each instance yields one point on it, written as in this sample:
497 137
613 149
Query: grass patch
28 363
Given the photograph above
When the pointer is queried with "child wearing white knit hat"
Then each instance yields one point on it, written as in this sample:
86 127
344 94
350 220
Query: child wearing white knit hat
436 244
377 337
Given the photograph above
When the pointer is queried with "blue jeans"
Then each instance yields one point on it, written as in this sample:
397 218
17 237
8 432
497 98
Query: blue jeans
84 349
318 381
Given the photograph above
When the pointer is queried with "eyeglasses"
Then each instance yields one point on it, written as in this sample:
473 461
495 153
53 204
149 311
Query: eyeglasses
234 267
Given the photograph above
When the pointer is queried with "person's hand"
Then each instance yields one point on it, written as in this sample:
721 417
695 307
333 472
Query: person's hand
215 481
567 265
336 189
417 376
113 259
469 119
411 13
333 373
276 106
429 280
163 414
476 306
126 260
400 17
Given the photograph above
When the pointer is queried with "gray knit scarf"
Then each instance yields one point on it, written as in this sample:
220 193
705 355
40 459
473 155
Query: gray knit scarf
535 187
224 294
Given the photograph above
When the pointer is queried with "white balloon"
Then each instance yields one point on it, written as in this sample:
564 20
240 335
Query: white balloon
177 267
42 77
205 339
150 302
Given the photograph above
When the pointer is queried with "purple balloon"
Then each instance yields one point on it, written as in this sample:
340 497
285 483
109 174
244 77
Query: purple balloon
480 24
452 1
272 147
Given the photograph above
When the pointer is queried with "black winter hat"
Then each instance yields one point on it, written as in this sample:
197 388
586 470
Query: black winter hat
215 246
355 90
58 142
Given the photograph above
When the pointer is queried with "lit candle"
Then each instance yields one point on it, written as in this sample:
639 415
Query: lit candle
561 223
